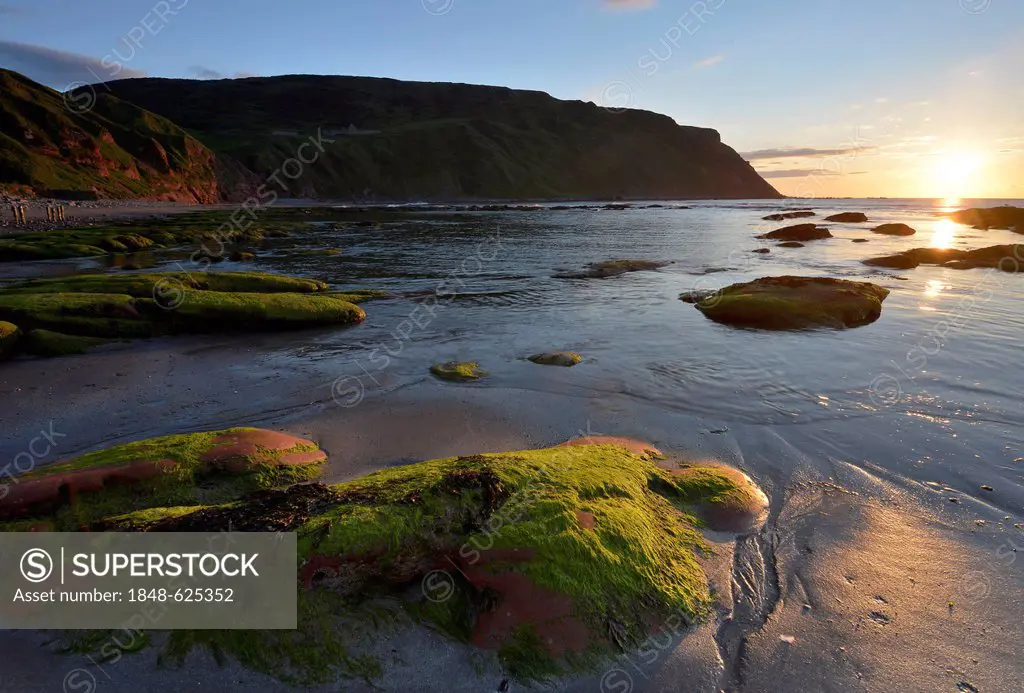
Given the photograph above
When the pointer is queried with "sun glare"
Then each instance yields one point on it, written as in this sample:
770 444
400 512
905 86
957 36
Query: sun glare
944 234
957 173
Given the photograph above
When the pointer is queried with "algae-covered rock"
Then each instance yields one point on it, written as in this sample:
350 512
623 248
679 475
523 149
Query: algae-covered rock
552 553
783 303
556 358
143 285
798 232
9 336
97 488
212 311
848 217
894 230
49 344
612 268
454 370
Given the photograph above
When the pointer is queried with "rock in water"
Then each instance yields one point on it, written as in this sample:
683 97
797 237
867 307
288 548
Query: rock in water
791 244
798 232
894 230
792 303
454 370
1007 258
799 214
612 268
1005 217
556 358
848 217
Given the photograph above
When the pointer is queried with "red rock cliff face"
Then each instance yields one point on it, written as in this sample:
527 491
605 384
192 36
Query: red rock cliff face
112 150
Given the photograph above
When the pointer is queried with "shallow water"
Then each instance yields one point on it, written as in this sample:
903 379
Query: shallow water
928 393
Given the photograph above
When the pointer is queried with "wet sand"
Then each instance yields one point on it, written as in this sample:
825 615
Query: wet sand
859 582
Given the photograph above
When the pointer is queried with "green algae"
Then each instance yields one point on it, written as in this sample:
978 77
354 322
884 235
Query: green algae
639 560
143 285
788 303
9 336
206 311
458 371
49 344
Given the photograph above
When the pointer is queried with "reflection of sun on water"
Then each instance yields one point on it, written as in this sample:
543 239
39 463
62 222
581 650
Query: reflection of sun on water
933 288
944 234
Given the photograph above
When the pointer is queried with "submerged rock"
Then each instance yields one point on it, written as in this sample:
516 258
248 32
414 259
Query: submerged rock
790 244
1007 258
454 370
612 268
556 358
762 251
798 232
786 303
848 217
860 240
796 214
537 554
894 230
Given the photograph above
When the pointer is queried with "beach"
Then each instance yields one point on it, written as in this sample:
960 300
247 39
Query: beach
875 445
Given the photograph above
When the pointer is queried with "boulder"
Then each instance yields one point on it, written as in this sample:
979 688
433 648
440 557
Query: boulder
782 216
894 230
790 244
556 358
1004 217
787 303
454 370
848 217
798 232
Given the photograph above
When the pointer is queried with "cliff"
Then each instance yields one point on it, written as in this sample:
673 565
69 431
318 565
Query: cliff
97 145
420 140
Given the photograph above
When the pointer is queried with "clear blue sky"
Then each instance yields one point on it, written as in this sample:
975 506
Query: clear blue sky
921 96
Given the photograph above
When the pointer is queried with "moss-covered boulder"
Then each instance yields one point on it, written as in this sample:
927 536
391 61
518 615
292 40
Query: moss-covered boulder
212 311
798 232
1007 258
612 268
848 217
546 556
126 306
894 230
787 303
49 344
96 489
9 336
556 358
458 371
144 285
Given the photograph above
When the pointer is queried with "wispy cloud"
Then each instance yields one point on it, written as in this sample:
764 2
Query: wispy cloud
797 152
801 172
629 4
58 69
708 62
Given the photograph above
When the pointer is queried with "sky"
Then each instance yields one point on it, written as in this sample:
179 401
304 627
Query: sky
866 98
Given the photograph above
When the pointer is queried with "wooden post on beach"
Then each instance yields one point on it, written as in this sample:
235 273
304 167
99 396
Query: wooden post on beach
60 210
21 214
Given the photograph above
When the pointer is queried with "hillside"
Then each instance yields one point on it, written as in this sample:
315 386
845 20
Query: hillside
418 140
113 150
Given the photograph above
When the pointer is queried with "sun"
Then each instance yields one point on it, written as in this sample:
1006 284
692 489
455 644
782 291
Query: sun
958 172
